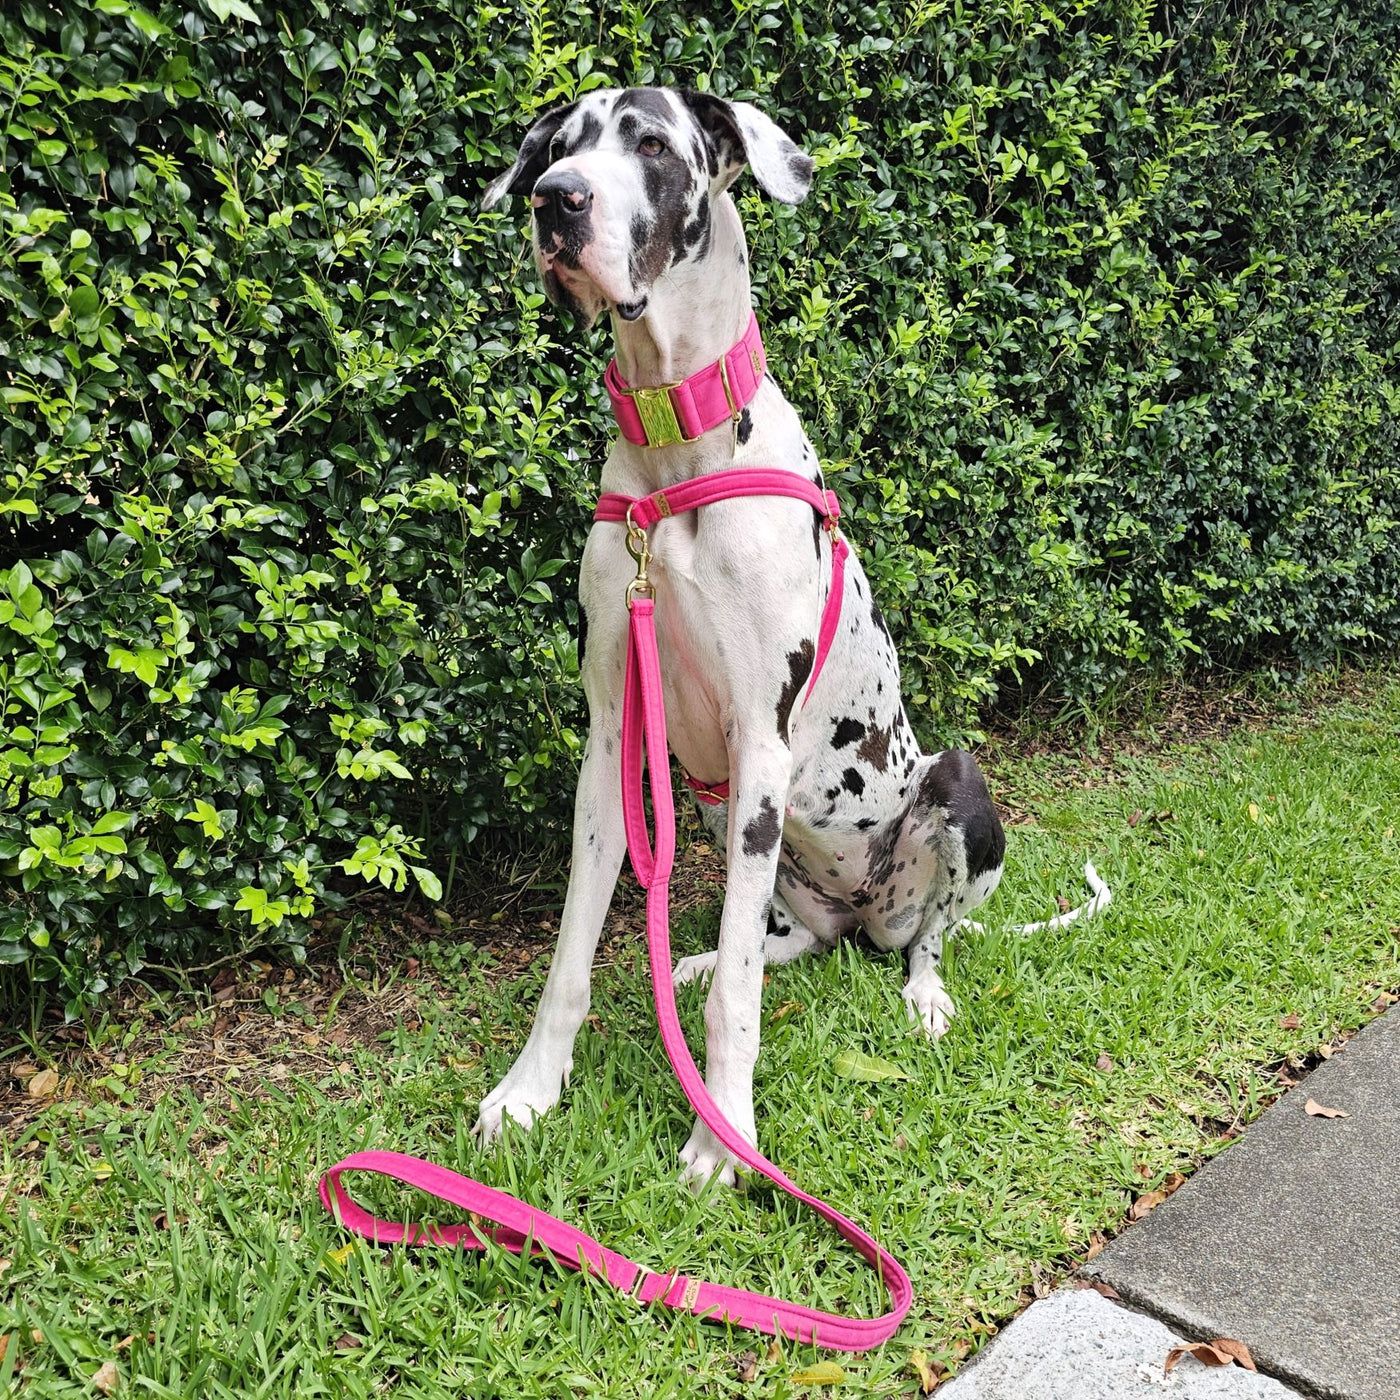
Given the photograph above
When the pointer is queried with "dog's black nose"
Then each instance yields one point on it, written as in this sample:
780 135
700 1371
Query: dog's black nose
563 193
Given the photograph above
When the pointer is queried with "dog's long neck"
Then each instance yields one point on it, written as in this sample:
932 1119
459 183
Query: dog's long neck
674 337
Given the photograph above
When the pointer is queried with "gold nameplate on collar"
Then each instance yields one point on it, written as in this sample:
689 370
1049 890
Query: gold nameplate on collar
658 414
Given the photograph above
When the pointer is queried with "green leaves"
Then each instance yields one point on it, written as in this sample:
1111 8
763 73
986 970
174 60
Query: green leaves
234 9
1093 333
855 1064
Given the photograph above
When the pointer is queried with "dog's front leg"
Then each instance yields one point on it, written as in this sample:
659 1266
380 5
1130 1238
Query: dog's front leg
758 787
533 1083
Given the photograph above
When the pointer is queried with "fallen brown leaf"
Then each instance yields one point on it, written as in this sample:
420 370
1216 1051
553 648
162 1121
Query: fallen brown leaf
928 1372
345 1342
1320 1110
1202 1351
1146 1204
1382 1002
410 967
223 994
1064 904
124 1343
1223 1351
44 1084
106 1377
775 1351
748 1367
1106 1290
1291 1022
23 1071
4 1344
1174 1182
1135 818
901 1143
1103 1064
1096 1244
1236 1349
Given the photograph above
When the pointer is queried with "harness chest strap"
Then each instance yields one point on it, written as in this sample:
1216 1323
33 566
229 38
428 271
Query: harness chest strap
520 1228
722 486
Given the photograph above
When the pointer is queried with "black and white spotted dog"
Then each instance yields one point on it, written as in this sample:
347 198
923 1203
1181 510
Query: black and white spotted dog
835 818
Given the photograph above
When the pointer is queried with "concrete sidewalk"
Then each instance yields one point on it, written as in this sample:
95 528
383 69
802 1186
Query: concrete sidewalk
1079 1346
1289 1241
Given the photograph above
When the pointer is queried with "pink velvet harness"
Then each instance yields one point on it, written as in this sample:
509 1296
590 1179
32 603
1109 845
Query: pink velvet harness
700 491
519 1227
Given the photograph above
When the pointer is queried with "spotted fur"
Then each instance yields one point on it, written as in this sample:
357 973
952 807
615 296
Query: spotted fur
836 819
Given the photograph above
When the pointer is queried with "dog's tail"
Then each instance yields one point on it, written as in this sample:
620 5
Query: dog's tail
1102 897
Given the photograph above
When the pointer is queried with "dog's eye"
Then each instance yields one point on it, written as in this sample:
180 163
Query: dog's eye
651 146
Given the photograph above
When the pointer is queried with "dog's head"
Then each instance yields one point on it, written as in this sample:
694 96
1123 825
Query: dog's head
622 183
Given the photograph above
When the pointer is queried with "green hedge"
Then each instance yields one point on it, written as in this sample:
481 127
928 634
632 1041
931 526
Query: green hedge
1092 314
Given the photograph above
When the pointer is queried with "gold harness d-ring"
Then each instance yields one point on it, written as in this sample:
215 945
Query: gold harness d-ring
638 548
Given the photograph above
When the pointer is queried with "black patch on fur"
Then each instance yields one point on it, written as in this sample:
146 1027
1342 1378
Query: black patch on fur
878 618
882 849
955 783
532 160
875 749
853 782
669 183
847 732
688 235
799 668
761 834
582 633
650 101
865 823
791 873
589 131
800 165
745 426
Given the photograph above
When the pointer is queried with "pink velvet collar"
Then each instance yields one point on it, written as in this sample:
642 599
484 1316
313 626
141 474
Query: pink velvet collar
672 413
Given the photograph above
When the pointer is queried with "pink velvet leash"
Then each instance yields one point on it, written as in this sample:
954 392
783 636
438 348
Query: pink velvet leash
518 1226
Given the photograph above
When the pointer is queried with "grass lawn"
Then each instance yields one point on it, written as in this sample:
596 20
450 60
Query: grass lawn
159 1212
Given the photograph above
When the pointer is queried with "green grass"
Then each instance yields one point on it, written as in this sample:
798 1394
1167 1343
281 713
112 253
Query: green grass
1270 891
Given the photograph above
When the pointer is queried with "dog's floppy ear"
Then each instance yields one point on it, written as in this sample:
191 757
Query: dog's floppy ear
531 162
740 135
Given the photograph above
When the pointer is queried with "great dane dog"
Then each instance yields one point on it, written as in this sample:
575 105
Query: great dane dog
835 819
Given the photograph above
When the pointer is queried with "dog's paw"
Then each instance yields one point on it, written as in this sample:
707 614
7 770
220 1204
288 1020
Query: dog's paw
929 1004
519 1097
691 969
705 1156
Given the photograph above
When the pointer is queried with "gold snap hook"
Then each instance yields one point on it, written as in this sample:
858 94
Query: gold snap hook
637 547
